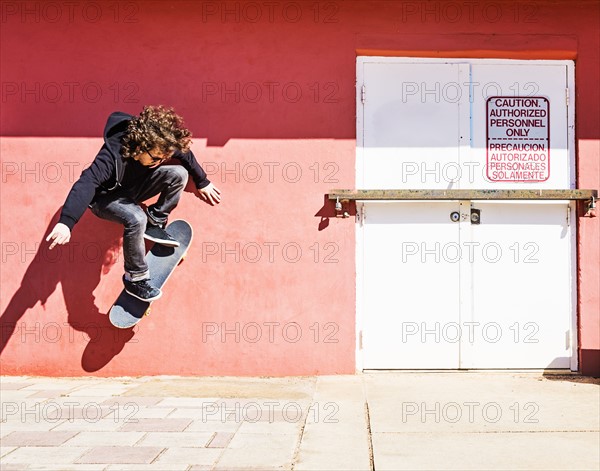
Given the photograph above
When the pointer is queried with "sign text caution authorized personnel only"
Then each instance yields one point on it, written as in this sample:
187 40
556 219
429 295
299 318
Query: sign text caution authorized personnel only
518 139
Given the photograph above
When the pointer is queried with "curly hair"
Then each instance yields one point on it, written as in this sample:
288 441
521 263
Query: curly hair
155 127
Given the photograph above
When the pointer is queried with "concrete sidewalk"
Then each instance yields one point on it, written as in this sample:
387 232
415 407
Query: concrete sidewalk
381 421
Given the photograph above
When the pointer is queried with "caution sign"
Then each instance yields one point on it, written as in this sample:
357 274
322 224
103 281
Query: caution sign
518 139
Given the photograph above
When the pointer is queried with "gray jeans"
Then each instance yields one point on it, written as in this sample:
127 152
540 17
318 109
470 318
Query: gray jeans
123 207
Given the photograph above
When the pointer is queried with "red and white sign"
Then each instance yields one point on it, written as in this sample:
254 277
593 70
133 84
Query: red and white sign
518 139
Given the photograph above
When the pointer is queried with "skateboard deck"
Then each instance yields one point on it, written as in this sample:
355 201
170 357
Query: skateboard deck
127 310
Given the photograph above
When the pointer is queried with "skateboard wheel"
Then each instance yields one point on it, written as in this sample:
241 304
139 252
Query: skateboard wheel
147 313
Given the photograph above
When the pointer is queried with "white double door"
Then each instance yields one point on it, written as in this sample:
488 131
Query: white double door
436 291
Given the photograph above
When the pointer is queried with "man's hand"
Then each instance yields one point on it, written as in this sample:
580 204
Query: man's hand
211 194
61 234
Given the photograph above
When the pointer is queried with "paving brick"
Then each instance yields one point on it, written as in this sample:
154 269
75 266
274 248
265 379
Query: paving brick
79 402
189 456
254 459
220 440
50 393
12 385
81 425
192 413
105 439
176 439
38 455
14 467
67 467
55 411
15 379
88 404
37 438
149 467
278 415
259 468
51 410
156 425
120 454
13 395
212 426
106 392
20 410
32 426
5 450
270 427
322 448
259 403
264 441
111 383
258 451
192 402
42 384
495 451
141 401
148 412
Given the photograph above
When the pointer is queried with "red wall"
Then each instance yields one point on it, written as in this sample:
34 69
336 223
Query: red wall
270 99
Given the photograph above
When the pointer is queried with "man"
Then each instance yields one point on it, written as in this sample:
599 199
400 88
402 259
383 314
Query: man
126 171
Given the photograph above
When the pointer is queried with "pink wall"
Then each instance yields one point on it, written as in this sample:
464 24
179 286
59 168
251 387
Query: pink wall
273 95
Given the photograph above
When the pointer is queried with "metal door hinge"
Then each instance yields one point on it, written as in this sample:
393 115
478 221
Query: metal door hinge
567 96
363 94
360 340
568 216
361 214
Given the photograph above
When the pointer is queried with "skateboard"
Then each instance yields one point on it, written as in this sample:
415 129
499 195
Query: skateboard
128 310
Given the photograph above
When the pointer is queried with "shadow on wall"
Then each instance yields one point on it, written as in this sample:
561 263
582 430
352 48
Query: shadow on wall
94 248
77 266
328 210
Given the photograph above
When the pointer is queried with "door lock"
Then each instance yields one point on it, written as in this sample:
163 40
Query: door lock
475 216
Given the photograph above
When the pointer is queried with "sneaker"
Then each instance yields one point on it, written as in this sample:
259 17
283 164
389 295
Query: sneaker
160 236
142 290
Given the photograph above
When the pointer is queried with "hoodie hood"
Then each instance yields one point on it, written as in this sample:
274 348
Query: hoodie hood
107 172
115 128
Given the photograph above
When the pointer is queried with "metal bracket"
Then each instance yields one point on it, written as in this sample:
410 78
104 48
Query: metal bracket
591 205
339 208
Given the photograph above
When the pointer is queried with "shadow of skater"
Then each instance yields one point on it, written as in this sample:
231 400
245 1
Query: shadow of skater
77 266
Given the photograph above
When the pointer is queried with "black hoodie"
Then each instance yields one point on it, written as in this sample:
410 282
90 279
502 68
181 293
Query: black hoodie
110 171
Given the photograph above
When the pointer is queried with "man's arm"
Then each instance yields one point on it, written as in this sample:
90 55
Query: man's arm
80 196
189 162
208 191
84 189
